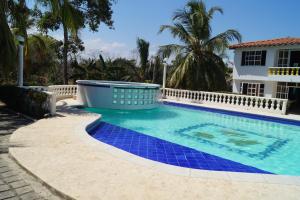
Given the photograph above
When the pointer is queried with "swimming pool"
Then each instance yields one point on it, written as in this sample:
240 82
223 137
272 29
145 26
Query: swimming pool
202 139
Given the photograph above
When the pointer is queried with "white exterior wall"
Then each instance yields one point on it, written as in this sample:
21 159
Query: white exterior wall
270 89
259 74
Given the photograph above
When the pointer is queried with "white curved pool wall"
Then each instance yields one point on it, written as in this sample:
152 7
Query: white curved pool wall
117 95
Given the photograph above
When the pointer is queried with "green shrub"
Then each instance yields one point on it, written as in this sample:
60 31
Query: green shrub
27 101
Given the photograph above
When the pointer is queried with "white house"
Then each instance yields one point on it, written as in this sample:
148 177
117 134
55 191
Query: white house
269 68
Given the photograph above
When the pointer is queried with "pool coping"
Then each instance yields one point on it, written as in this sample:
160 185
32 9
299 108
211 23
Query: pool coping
78 132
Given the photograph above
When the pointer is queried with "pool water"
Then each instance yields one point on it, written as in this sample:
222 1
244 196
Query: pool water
269 146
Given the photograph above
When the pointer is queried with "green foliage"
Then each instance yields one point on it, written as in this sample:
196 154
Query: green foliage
73 15
143 51
27 101
198 64
87 69
42 60
122 69
156 68
119 69
8 52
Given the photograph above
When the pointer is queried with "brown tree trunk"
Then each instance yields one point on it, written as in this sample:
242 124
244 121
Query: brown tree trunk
65 55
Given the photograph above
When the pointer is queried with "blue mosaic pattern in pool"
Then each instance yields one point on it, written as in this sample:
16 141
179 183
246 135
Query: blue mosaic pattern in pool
163 151
271 143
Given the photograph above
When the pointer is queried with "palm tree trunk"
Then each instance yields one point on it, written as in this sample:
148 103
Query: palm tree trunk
154 73
65 55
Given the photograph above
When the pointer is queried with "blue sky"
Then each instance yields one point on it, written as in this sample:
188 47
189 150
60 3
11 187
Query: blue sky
254 19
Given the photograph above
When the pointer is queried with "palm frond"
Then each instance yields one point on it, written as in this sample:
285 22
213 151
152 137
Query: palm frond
177 30
40 40
213 10
166 51
71 17
180 72
221 41
143 50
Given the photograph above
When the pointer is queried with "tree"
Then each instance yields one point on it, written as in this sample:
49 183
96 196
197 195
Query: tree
8 52
72 15
122 69
143 51
91 69
17 21
198 64
156 69
42 60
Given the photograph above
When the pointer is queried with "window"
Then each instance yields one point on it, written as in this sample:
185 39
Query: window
283 58
282 90
254 58
252 89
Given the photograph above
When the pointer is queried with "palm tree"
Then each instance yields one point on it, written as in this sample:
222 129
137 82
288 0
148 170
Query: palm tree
199 64
122 69
71 19
143 51
156 69
21 20
8 52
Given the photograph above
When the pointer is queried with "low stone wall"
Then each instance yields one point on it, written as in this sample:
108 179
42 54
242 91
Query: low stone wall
36 104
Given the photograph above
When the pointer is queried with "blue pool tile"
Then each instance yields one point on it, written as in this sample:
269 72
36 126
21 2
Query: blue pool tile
163 151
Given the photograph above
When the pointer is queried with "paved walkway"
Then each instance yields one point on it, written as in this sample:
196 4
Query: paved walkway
15 183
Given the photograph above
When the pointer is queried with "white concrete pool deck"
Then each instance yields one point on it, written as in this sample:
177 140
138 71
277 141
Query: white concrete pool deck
60 153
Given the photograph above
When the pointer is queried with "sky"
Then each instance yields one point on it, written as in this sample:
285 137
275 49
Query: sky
254 19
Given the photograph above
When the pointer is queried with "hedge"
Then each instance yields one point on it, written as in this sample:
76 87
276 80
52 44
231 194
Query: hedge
27 101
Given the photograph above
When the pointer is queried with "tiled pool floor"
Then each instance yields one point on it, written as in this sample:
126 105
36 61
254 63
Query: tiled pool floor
163 151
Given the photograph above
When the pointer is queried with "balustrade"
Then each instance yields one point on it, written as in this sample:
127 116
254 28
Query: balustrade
272 105
284 71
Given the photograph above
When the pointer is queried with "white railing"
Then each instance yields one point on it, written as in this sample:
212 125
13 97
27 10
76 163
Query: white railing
284 71
272 105
63 91
60 91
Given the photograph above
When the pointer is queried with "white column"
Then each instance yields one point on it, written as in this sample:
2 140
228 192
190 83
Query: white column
21 61
236 86
164 79
270 89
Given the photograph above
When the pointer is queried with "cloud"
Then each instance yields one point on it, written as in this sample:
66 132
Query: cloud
32 30
95 46
109 49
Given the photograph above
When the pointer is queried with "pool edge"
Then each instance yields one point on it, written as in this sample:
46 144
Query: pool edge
258 116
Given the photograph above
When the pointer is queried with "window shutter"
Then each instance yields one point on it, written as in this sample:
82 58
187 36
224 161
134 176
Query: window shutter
243 58
263 58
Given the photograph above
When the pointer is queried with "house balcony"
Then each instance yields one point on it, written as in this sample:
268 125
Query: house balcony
284 74
284 71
